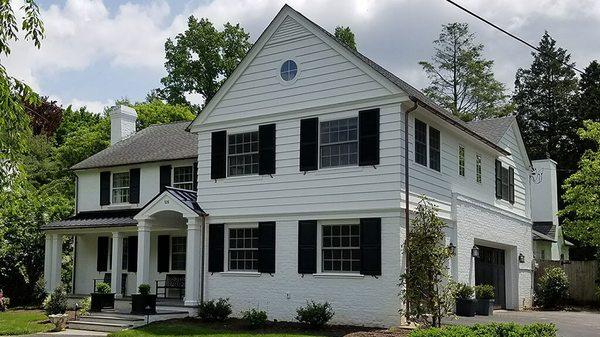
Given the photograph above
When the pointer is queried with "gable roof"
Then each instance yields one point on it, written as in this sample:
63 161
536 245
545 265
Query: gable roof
154 143
413 93
545 227
492 128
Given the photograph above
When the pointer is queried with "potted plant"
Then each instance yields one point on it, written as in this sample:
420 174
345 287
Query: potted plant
465 303
143 303
55 306
102 298
485 299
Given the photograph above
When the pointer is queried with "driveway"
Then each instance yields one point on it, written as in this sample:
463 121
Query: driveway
569 324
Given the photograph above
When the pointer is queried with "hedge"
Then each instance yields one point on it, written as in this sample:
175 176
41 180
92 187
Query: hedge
490 330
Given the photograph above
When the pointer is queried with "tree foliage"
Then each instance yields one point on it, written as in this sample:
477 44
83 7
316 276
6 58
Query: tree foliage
158 112
200 59
345 35
45 116
587 102
461 79
426 286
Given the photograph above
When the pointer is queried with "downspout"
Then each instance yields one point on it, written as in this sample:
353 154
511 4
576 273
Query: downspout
406 199
203 257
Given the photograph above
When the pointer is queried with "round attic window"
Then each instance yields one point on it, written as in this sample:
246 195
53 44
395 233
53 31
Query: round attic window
288 70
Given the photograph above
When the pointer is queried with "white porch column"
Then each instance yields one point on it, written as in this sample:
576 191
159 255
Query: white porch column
193 261
55 261
117 263
143 267
48 263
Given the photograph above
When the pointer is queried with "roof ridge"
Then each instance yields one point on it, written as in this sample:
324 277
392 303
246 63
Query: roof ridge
491 118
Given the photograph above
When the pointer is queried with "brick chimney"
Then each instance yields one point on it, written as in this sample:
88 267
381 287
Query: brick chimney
122 123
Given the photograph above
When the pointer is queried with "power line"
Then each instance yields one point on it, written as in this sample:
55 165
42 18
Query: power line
508 33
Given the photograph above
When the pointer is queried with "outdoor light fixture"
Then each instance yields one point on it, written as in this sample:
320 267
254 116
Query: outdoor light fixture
452 248
521 258
475 251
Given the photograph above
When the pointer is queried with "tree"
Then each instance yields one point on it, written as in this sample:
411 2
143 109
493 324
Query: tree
45 116
544 97
581 214
587 102
157 112
13 119
200 59
345 35
426 287
462 81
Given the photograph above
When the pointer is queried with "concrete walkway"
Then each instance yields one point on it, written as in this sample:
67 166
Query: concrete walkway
68 333
569 324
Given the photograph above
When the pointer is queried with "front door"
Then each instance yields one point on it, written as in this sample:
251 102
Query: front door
489 269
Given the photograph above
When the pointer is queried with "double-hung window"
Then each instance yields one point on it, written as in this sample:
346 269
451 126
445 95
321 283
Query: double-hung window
178 248
461 161
478 168
427 145
340 248
339 142
183 177
243 249
120 188
242 153
505 182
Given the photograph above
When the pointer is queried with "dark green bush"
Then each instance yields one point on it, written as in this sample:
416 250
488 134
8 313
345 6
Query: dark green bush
144 289
490 330
553 288
56 303
484 292
255 318
103 288
212 310
315 314
464 291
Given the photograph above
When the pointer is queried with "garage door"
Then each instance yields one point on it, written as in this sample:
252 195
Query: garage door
489 269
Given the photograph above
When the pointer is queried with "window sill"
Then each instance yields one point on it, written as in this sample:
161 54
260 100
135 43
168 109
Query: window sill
339 275
340 169
241 273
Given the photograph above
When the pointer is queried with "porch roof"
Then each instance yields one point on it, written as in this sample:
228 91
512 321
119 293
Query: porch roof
97 219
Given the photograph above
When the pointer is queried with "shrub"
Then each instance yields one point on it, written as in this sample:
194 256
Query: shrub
553 288
315 314
56 303
464 291
144 289
255 318
214 311
4 303
39 291
84 306
485 292
490 330
103 288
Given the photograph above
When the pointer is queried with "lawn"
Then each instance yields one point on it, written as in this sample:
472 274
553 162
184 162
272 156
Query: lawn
22 322
231 328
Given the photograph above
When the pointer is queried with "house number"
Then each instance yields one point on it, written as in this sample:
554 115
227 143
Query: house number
166 202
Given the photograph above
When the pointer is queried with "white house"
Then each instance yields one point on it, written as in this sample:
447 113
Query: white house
290 186
548 239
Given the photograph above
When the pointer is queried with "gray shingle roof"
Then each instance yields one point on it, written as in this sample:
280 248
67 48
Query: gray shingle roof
492 128
97 219
541 237
154 143
545 227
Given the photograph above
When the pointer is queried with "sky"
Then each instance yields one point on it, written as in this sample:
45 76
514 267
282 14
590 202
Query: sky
98 51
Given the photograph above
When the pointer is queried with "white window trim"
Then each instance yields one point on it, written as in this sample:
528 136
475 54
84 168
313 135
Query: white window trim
353 115
414 140
332 274
226 270
186 182
171 253
254 129
278 70
112 175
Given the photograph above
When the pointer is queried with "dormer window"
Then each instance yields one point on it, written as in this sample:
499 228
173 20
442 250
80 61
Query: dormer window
183 177
120 188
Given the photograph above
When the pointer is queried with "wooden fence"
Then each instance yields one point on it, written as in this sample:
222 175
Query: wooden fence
583 277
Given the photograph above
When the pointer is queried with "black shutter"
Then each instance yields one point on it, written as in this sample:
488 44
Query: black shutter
102 254
368 138
132 253
105 188
163 249
309 144
218 155
498 179
266 149
307 246
511 185
266 247
165 177
370 246
216 247
134 186
195 173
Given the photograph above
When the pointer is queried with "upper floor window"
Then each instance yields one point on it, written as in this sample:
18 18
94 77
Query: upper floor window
505 182
341 248
120 188
243 249
478 168
178 248
243 153
289 70
339 142
461 161
427 145
183 177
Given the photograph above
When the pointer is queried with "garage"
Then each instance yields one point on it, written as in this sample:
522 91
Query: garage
489 269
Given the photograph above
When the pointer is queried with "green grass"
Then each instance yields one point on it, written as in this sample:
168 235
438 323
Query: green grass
22 322
190 328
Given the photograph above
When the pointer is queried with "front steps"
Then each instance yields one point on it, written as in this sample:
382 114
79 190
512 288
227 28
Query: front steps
111 320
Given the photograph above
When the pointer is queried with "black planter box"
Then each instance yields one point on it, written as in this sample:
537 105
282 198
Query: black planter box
102 301
485 307
139 303
465 307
